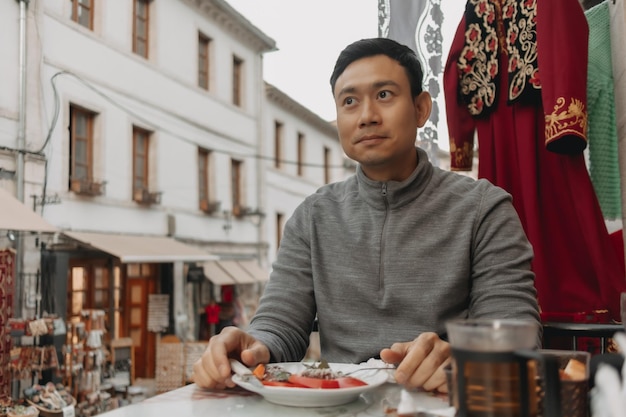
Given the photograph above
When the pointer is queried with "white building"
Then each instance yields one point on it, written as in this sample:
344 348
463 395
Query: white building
143 129
306 154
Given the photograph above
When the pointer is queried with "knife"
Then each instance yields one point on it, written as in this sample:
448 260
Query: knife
245 373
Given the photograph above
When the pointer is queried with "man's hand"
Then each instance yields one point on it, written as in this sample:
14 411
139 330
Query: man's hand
212 370
421 362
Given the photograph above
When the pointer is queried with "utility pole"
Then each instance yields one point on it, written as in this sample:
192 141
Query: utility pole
21 128
20 149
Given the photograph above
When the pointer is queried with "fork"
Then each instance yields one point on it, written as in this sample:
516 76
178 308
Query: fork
367 368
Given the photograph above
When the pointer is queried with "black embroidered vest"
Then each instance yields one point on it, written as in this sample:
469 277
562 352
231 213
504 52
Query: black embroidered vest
494 27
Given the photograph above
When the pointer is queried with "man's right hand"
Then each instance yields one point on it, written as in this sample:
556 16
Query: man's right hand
212 370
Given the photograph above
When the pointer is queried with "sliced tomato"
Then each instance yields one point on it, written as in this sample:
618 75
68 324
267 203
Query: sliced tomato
282 384
348 382
309 382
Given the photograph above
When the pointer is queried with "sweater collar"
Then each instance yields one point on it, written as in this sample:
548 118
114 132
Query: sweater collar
398 193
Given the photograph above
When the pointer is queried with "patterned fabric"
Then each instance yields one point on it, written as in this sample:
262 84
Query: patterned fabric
417 24
533 151
493 27
499 56
602 135
617 11
7 273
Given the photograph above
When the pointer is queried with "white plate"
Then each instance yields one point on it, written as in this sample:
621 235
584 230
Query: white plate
317 397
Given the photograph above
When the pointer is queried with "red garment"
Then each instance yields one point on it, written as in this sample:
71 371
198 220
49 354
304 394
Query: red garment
617 239
212 313
575 265
228 293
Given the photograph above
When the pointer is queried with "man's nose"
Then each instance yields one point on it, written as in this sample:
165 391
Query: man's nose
369 113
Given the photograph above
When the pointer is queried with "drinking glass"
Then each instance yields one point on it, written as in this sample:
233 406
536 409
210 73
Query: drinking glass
495 369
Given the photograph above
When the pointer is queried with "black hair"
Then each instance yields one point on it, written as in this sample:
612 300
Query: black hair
381 46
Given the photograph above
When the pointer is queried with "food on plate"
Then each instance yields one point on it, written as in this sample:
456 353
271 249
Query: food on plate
318 375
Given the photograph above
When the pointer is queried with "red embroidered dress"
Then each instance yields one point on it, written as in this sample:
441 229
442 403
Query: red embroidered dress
516 76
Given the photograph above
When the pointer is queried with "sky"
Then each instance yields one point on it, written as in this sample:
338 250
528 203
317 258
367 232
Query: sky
310 34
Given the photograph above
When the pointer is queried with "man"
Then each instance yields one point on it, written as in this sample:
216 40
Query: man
386 257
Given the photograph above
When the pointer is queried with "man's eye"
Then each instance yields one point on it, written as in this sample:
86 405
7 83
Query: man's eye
383 94
349 101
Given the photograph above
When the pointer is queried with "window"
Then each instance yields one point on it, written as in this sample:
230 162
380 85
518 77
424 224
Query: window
237 81
203 61
204 182
142 193
236 179
300 154
141 24
326 165
81 146
141 142
81 166
89 287
138 270
78 294
278 144
101 288
82 13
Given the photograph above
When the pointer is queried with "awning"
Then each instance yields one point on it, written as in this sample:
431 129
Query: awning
254 269
15 215
145 249
236 271
216 274
230 272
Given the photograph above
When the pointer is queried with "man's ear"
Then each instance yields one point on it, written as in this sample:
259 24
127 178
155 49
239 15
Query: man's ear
423 105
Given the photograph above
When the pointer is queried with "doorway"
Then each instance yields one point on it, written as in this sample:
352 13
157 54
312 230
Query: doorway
141 281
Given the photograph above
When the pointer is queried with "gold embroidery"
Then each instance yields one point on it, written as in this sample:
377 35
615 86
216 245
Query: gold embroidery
461 156
570 120
500 26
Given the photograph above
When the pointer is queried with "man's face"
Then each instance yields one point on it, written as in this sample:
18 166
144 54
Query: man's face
377 117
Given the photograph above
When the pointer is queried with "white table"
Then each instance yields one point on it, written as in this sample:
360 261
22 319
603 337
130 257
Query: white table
192 401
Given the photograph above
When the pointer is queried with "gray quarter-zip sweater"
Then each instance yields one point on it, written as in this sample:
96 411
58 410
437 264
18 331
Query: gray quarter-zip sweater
382 262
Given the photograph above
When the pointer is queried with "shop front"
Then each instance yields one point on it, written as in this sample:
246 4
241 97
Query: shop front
20 228
137 281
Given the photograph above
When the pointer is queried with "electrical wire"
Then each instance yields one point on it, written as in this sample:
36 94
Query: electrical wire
154 126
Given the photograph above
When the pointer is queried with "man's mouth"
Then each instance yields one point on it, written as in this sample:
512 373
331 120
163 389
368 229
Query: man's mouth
369 138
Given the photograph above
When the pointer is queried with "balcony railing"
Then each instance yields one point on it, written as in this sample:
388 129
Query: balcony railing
243 211
85 186
143 196
210 207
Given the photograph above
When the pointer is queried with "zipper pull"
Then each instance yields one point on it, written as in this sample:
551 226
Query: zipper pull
383 191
